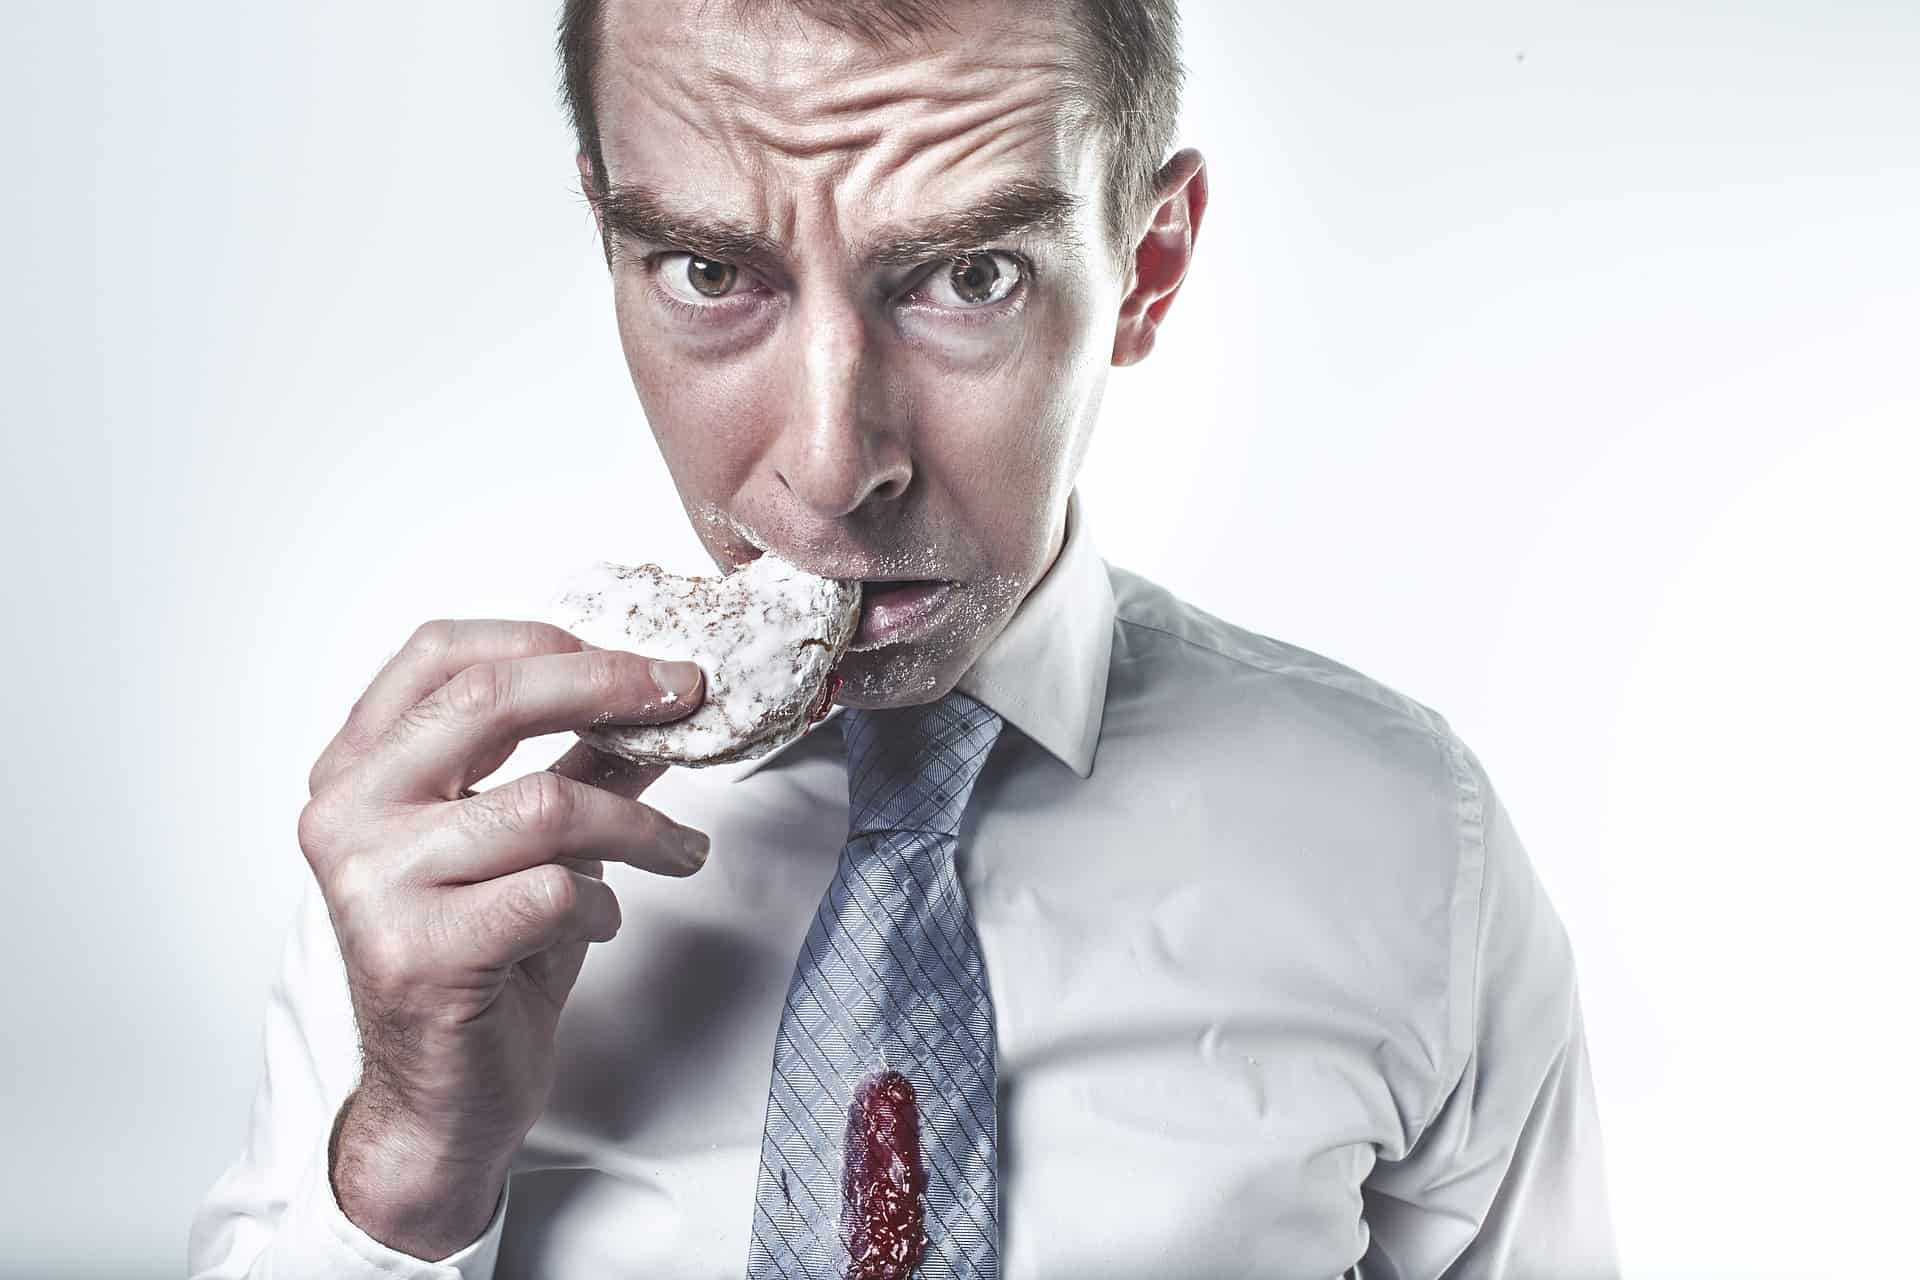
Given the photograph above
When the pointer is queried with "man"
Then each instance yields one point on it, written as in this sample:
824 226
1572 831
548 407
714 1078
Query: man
1266 982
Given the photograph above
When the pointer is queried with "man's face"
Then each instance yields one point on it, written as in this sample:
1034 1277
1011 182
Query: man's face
830 387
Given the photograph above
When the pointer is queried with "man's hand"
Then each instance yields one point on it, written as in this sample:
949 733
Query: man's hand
464 919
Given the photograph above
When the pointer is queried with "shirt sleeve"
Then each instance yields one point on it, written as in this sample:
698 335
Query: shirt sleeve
1506 1180
272 1215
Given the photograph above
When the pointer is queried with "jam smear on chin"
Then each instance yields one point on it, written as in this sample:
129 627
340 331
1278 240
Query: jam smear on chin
884 1184
825 704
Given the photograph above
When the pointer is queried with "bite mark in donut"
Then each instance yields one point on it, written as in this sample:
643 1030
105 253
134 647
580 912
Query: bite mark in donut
767 638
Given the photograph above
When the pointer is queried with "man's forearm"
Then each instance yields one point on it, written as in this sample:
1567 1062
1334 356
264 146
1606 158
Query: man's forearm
400 1193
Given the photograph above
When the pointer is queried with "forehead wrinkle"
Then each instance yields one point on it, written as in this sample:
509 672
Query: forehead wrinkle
934 79
817 65
934 147
952 137
656 85
806 109
882 126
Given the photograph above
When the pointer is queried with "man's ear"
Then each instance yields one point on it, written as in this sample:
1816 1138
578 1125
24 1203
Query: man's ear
1161 258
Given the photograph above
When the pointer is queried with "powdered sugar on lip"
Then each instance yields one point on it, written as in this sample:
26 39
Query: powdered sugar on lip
734 542
737 533
891 613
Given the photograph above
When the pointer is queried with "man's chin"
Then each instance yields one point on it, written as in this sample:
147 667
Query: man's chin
904 674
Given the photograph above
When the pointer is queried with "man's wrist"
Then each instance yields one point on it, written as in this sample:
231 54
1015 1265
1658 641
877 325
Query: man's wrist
400 1191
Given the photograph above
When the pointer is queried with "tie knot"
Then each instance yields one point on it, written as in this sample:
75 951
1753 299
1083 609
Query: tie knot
912 768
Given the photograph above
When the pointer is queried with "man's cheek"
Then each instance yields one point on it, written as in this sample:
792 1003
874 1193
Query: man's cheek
707 429
1012 477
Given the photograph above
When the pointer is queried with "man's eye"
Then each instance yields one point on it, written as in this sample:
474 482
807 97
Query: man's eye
970 282
975 280
695 279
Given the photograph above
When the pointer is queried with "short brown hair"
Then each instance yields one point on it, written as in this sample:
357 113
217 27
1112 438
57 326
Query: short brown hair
1125 85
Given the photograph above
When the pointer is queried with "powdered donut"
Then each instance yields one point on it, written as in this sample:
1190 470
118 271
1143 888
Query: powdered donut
767 635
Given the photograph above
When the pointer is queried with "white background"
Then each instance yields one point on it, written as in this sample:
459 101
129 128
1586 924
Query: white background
1553 363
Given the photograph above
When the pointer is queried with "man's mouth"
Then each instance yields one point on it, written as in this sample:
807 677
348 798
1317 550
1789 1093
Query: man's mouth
893 610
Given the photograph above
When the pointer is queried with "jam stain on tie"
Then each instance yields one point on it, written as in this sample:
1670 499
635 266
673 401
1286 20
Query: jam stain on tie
884 1185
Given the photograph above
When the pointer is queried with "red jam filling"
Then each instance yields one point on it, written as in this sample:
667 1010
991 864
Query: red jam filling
884 1185
825 704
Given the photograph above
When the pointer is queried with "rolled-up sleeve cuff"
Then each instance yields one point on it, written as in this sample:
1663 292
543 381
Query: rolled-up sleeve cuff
317 1240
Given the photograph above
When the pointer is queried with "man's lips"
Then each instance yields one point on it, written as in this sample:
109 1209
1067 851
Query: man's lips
893 610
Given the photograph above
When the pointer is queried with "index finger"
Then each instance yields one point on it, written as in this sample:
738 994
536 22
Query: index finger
467 728
435 653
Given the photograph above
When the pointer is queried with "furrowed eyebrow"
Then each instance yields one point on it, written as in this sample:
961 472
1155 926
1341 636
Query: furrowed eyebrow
636 212
1022 208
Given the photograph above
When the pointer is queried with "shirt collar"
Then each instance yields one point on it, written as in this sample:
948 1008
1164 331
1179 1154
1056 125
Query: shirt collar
1046 672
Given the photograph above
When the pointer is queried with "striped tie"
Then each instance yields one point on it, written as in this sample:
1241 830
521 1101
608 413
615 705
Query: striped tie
878 1155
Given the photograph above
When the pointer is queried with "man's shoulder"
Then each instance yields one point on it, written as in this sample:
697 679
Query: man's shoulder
1330 808
1165 646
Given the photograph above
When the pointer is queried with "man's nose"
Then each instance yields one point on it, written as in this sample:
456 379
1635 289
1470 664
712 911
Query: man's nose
841 444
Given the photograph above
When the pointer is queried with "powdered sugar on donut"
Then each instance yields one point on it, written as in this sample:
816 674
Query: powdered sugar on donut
766 636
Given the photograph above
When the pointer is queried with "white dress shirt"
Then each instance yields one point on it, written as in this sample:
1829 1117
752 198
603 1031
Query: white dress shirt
1277 993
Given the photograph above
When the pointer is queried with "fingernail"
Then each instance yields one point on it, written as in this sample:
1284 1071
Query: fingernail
675 680
696 845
